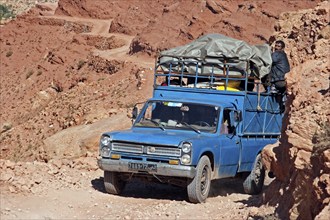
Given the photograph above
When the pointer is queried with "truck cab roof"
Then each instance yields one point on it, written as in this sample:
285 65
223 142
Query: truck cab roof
196 100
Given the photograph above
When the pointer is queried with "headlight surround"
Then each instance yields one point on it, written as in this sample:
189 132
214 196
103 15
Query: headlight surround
105 140
186 147
186 151
185 159
105 146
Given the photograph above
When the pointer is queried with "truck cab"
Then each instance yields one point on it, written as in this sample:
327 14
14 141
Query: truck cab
197 127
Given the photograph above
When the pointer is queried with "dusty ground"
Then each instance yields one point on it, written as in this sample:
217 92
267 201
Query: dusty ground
78 193
66 79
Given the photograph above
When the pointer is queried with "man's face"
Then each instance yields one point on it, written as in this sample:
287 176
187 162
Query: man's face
278 47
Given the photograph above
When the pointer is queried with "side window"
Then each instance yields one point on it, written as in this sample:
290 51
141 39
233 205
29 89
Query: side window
226 127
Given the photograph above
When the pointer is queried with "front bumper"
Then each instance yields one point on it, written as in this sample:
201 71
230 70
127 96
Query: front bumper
162 169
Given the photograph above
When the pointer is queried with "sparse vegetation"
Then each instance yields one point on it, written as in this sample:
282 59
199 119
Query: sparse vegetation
86 29
29 74
81 63
39 72
6 12
9 9
57 86
29 147
322 139
9 53
6 127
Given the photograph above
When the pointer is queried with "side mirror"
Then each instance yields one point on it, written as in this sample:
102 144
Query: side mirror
238 116
235 118
134 112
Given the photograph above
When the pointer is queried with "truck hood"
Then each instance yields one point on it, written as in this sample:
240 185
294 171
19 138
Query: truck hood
155 137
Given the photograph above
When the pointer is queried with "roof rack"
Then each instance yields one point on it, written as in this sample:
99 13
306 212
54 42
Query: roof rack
207 73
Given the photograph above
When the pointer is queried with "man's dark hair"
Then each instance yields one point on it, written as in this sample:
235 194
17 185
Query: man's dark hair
281 43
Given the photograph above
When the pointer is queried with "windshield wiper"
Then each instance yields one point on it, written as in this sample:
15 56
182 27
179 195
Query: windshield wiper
156 123
190 126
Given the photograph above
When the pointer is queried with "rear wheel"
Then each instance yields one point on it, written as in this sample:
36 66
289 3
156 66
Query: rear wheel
255 180
112 183
198 189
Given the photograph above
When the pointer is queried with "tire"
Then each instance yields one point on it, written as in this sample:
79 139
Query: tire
112 183
198 189
255 180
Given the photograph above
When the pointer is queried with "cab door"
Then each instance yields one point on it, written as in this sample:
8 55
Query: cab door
229 143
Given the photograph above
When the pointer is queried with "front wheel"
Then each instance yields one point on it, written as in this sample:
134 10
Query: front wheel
198 189
112 183
255 180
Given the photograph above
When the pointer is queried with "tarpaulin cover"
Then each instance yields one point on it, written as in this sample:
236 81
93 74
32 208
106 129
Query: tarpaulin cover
215 48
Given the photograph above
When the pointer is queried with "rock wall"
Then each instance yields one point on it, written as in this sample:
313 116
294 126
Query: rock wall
301 160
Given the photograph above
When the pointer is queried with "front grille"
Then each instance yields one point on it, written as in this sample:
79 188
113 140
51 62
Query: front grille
164 151
130 148
146 149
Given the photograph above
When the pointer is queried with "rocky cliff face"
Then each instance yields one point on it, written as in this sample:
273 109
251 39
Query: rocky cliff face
301 161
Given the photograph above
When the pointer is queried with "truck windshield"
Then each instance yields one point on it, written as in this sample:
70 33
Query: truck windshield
180 115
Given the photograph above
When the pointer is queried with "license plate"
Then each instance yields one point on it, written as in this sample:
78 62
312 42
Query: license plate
142 167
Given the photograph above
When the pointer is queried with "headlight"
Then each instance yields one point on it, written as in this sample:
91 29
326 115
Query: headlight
105 152
185 159
105 140
186 147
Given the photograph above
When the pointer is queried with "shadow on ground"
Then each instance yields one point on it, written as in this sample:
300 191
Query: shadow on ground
98 184
150 190
147 190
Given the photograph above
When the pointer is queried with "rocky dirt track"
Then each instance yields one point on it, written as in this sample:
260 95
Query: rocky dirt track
74 190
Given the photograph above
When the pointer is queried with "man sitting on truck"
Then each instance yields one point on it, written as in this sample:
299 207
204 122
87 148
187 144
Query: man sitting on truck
280 66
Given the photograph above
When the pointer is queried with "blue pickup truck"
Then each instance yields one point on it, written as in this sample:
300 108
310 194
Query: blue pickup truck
197 127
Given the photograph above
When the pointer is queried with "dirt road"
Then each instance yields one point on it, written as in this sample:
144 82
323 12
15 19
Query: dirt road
100 28
75 193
